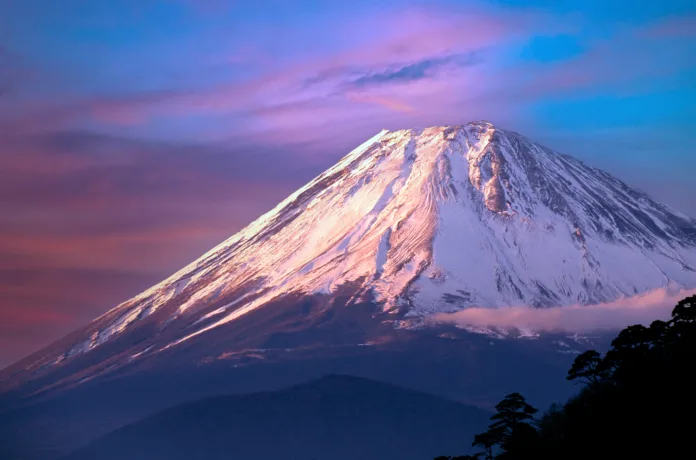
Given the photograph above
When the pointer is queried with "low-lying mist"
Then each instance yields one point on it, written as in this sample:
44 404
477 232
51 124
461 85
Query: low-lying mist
640 309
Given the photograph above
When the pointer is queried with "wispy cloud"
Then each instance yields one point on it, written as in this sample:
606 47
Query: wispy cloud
414 44
427 68
640 309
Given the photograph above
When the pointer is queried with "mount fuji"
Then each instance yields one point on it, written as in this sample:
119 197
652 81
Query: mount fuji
348 273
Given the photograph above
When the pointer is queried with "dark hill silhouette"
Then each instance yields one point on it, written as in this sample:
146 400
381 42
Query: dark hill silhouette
336 417
444 361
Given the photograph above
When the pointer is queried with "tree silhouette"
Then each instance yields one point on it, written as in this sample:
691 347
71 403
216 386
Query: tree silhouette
510 422
588 368
638 393
636 401
512 410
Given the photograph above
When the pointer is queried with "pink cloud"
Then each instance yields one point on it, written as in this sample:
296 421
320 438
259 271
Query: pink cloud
403 37
319 91
640 309
270 100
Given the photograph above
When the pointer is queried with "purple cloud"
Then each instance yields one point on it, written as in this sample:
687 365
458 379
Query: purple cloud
426 68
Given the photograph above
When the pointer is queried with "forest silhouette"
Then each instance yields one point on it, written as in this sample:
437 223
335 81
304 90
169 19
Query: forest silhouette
638 400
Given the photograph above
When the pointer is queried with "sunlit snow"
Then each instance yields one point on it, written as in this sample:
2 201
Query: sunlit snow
446 217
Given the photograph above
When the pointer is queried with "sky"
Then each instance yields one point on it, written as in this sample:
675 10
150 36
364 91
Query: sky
137 134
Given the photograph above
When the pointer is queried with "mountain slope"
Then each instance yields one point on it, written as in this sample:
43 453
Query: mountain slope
343 276
419 222
336 417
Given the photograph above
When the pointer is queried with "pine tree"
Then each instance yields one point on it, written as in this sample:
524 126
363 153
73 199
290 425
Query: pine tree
510 425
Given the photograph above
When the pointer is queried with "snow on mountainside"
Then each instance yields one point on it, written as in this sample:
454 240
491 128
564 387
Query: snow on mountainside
427 221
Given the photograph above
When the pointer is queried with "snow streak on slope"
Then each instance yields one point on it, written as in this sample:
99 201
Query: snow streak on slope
431 221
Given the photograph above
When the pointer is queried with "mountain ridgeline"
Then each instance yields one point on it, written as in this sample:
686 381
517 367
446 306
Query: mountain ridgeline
336 417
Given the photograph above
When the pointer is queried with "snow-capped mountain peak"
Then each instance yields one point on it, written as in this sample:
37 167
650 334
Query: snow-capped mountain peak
422 222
